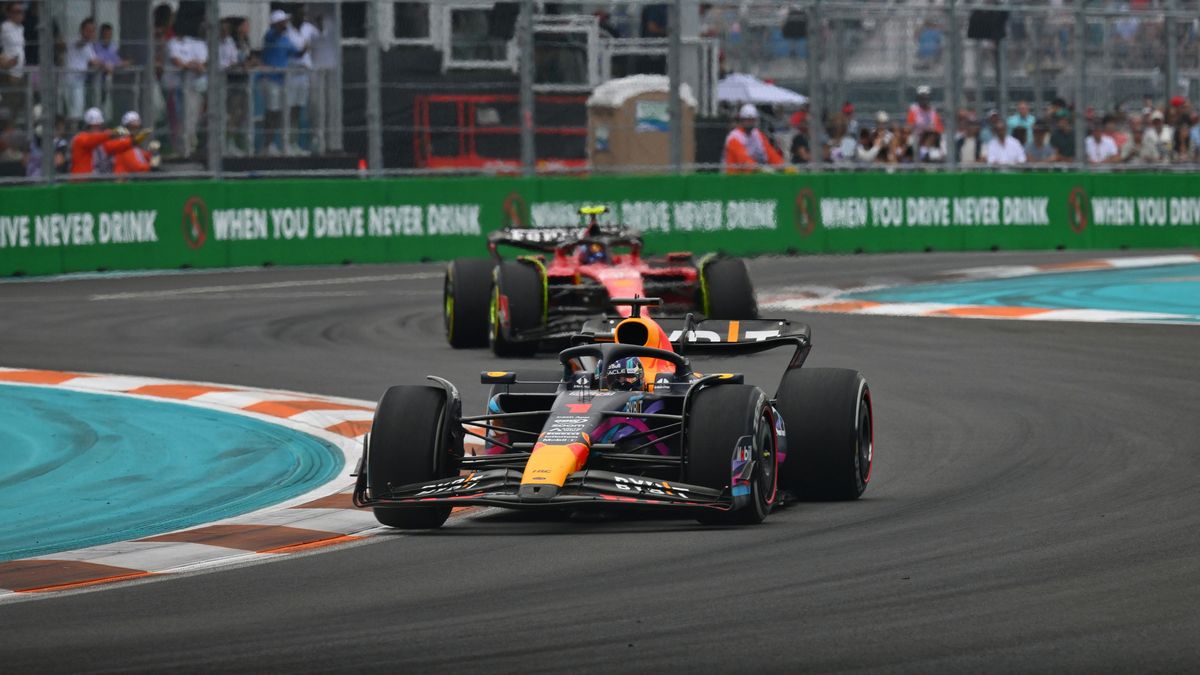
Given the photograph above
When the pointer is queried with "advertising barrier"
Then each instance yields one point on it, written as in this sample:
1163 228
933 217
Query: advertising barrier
205 224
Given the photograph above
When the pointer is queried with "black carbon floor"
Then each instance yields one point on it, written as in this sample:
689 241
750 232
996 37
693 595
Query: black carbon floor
1034 507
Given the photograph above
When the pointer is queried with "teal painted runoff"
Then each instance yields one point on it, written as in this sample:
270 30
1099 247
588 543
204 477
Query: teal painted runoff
80 469
1169 289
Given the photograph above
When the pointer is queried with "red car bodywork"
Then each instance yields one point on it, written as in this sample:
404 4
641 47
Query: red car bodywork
624 274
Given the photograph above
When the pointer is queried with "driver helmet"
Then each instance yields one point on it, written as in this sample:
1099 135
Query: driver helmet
593 253
625 374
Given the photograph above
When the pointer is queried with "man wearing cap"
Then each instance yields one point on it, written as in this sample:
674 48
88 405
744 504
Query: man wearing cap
104 157
988 132
277 51
921 115
799 150
138 156
86 142
746 147
848 115
1163 134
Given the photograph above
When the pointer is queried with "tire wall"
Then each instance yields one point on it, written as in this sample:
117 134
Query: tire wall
212 224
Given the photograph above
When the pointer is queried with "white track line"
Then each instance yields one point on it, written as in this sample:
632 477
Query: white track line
237 288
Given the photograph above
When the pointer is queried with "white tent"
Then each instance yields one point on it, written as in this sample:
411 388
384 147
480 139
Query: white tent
742 88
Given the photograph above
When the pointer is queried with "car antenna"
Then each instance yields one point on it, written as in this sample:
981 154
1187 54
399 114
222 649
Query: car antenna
689 329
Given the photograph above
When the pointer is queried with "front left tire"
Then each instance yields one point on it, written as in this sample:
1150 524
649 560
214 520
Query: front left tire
409 443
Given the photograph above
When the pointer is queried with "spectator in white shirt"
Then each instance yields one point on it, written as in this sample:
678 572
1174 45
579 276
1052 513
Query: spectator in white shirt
1101 149
870 143
234 57
326 86
1163 134
12 59
1004 149
186 76
79 60
12 39
1141 148
302 34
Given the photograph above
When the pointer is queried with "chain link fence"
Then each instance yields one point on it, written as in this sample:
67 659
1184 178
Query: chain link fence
375 87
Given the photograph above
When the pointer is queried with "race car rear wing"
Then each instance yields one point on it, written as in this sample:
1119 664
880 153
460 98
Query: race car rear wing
548 239
689 335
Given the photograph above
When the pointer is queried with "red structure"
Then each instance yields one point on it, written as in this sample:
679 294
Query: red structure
454 142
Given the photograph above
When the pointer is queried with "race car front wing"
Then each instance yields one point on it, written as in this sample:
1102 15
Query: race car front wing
502 487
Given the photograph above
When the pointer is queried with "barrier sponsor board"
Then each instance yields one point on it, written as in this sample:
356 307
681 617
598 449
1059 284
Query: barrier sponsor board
92 226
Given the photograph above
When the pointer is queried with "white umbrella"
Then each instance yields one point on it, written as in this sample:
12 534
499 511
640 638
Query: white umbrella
742 88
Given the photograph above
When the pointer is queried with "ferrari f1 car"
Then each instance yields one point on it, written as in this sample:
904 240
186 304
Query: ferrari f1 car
515 304
625 421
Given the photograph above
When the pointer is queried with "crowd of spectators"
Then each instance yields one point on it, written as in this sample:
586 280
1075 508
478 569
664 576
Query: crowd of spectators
283 85
1149 135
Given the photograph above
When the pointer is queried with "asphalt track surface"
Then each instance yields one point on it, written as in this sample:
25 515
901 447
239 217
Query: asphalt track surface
1034 507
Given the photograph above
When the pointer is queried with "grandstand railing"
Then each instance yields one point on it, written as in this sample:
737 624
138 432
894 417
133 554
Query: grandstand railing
1104 58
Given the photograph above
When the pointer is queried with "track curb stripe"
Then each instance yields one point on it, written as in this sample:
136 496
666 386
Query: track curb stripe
841 300
321 518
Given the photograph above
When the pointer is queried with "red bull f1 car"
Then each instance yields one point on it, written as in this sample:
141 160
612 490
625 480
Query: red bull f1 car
625 421
514 305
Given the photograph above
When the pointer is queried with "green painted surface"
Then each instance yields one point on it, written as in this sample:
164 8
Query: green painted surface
164 225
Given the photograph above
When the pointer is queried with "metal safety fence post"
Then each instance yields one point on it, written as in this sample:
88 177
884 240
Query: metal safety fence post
674 109
374 81
953 77
525 65
215 120
815 103
1080 115
49 86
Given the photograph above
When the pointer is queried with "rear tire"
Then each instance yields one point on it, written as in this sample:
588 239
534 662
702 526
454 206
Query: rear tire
721 420
465 297
830 433
523 288
727 290
408 428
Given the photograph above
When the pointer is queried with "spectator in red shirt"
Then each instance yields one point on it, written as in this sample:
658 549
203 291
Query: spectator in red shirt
747 148
921 115
134 157
85 143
